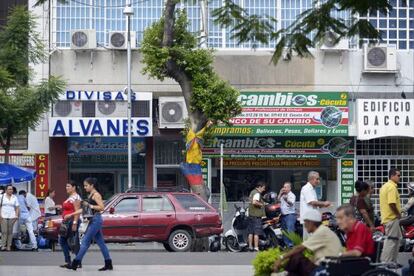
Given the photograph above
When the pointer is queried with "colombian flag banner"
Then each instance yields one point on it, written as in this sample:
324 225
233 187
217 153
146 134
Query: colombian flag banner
192 173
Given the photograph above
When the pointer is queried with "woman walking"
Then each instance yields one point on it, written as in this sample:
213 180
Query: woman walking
9 214
50 206
363 212
94 230
69 206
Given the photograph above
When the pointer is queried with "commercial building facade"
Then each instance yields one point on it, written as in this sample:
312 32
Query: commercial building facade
333 72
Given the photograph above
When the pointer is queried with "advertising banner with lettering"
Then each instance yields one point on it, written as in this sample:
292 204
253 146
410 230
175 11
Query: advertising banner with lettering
290 114
347 173
99 145
42 179
385 117
281 147
98 127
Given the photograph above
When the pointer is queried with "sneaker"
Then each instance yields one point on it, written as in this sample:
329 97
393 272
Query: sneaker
256 250
251 249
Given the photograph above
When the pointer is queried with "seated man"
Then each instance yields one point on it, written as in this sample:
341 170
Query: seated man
322 242
359 240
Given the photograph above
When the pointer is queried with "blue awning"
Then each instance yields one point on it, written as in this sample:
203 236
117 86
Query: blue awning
10 174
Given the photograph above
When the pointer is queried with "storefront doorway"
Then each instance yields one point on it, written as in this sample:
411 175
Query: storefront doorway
106 182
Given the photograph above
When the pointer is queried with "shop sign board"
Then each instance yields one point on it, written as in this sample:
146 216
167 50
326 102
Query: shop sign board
42 179
385 117
95 95
347 174
281 147
290 114
98 127
100 145
271 163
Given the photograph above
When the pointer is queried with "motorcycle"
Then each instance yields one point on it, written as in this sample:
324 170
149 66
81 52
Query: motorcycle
235 239
407 242
329 220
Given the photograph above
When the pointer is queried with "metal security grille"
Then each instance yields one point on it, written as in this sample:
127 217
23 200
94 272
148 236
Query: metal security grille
376 157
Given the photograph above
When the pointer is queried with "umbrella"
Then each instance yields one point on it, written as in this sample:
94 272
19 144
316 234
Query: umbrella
13 174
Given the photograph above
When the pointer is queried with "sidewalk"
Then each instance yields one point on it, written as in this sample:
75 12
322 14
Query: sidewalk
147 270
135 246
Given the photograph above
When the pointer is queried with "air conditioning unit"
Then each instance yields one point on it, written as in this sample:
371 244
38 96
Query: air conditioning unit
173 112
331 43
118 40
380 59
111 109
67 109
83 39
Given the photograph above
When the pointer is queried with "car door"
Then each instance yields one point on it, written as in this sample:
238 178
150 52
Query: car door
157 216
121 220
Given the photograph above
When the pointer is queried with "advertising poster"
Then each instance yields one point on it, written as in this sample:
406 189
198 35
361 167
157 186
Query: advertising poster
290 114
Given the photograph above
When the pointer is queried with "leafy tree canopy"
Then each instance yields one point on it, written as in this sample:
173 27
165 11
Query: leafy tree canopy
214 98
21 104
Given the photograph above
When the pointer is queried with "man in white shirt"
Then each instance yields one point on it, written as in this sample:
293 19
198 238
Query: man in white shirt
309 199
34 209
288 210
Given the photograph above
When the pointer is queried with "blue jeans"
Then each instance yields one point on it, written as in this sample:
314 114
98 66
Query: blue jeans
94 231
63 241
288 225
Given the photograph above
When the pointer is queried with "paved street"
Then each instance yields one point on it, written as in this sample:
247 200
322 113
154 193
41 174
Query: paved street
141 259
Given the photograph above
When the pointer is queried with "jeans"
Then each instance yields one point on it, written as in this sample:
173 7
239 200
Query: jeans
288 225
94 231
63 241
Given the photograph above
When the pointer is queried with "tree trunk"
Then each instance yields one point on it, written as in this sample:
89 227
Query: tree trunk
6 148
197 118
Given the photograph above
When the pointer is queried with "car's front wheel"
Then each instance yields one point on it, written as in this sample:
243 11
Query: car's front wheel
180 241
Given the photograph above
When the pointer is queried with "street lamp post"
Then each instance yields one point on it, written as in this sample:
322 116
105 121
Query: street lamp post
128 12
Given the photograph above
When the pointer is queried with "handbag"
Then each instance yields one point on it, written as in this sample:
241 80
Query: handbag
64 229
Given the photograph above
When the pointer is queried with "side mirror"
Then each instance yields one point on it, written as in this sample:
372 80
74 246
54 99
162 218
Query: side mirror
111 210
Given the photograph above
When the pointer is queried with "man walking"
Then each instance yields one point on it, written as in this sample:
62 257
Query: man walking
288 210
309 199
390 207
256 212
25 219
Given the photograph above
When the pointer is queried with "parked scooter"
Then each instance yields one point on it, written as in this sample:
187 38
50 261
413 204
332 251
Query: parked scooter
235 239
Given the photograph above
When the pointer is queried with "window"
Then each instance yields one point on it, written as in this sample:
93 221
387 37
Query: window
157 204
140 109
127 205
191 203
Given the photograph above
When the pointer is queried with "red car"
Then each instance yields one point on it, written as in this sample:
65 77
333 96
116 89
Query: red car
172 218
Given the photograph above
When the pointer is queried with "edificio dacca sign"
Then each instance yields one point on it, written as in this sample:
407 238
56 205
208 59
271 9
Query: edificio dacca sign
385 117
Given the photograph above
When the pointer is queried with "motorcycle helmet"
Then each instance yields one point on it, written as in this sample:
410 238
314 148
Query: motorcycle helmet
410 186
272 210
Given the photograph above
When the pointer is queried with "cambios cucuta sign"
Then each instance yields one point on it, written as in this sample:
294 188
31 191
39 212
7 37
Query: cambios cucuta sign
290 114
281 147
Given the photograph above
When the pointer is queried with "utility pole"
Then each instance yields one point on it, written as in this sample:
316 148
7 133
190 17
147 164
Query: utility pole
128 12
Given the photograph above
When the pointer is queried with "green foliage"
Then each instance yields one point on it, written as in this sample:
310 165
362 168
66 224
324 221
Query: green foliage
22 105
211 96
264 261
295 38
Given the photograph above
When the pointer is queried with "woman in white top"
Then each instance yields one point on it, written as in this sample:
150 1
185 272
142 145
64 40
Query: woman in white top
9 214
50 206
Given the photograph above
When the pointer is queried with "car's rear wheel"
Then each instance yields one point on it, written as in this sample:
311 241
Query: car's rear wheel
180 240
167 247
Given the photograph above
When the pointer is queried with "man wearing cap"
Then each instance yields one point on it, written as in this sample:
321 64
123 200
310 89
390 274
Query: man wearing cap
322 242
